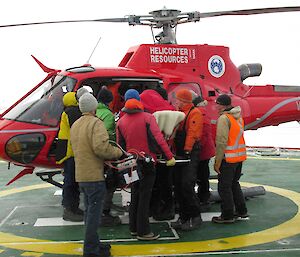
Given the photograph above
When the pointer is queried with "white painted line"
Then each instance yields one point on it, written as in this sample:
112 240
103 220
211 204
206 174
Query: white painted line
207 216
58 192
52 222
7 217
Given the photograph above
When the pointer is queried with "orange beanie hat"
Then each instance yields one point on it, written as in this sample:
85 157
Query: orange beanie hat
184 95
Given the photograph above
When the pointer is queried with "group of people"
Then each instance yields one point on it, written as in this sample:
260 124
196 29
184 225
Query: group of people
87 128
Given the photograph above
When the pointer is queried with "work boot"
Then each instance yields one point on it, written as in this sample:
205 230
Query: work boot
176 224
105 246
108 220
222 220
239 216
104 253
192 223
79 211
149 237
166 215
69 215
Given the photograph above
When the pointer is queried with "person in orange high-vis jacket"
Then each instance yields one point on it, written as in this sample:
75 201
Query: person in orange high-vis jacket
230 154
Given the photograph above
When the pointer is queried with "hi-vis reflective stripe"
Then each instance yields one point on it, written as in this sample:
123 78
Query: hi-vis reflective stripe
235 147
235 154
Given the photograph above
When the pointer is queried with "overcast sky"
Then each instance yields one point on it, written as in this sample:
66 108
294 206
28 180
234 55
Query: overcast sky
272 40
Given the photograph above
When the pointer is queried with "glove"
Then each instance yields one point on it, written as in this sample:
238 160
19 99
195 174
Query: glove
171 162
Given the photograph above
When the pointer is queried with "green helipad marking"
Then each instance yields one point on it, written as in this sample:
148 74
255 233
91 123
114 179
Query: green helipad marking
284 230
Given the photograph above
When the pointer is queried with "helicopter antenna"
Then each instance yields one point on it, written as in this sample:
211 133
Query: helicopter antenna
88 61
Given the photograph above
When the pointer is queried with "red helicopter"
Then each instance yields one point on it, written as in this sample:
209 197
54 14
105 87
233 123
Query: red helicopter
28 129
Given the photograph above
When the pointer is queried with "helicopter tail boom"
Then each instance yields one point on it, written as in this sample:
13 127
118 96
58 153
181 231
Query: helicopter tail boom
273 105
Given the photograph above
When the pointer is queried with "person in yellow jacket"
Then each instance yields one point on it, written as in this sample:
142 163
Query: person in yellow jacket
230 154
65 156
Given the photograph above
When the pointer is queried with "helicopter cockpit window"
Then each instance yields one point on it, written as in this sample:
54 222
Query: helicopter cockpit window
174 87
44 105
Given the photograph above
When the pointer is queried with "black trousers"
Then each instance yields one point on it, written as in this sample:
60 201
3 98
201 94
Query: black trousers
230 190
70 193
162 194
203 181
185 177
140 201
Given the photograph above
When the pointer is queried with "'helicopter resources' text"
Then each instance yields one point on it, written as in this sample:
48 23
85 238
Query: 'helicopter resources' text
168 55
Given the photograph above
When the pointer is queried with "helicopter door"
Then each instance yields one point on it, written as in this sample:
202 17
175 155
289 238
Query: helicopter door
118 86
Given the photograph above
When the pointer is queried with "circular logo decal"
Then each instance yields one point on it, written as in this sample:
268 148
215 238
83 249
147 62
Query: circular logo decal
216 66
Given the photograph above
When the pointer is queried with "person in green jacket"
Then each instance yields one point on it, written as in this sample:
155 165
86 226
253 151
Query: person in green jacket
103 112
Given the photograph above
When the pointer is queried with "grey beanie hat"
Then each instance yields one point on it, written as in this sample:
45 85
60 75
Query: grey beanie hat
80 92
87 103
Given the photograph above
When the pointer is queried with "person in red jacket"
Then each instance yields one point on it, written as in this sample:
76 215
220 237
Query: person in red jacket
187 143
162 200
208 150
139 131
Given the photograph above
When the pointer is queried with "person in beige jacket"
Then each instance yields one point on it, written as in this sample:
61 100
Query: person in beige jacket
90 144
230 155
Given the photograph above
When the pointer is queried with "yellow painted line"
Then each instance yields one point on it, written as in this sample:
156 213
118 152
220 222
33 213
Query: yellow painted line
32 254
23 189
287 229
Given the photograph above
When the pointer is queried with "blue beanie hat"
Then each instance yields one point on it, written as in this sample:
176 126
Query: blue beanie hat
132 94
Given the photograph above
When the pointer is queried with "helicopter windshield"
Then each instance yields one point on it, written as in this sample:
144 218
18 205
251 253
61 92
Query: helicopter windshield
44 105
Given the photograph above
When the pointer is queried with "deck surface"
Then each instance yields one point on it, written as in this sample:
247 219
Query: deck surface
31 223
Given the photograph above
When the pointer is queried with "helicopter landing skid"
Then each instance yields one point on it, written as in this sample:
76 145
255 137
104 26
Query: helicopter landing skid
48 174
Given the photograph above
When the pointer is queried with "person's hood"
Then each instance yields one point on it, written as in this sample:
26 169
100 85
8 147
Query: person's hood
153 101
132 106
69 99
235 112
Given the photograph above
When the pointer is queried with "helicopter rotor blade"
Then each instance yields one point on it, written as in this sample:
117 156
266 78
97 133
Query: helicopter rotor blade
251 11
176 18
68 21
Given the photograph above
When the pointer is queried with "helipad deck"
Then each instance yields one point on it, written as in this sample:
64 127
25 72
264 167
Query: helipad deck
31 223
